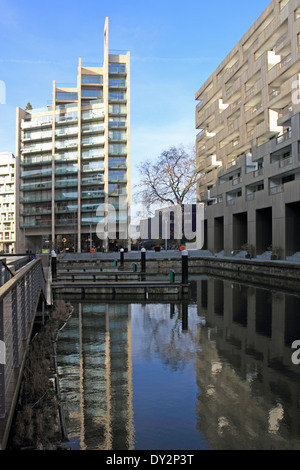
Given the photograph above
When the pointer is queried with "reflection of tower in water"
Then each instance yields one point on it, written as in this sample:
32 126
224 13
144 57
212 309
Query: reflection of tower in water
101 411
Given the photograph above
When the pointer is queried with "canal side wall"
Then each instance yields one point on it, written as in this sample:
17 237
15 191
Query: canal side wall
268 272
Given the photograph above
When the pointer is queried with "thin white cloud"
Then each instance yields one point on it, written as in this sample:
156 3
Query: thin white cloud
174 59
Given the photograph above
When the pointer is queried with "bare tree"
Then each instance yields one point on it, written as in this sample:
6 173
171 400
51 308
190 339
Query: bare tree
171 179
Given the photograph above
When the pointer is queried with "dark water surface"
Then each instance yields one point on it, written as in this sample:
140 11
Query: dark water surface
213 373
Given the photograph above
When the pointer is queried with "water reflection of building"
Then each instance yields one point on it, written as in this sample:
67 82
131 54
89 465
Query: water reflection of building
250 388
95 361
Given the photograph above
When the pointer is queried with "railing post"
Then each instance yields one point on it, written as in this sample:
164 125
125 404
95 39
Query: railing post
2 364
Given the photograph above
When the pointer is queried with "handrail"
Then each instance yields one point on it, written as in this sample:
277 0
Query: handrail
9 285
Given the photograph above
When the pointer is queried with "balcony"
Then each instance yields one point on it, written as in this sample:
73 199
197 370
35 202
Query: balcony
66 157
284 137
37 148
91 220
32 161
63 170
37 123
66 183
43 197
36 186
117 124
39 136
93 114
66 131
88 128
36 173
93 194
69 143
98 179
66 208
70 118
65 196
279 188
86 142
283 163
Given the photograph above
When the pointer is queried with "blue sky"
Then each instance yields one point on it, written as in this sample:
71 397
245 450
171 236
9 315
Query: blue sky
175 46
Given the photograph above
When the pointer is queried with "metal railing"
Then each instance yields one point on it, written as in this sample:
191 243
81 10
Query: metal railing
18 302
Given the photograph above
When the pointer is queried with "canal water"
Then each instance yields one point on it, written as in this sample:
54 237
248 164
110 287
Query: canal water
216 372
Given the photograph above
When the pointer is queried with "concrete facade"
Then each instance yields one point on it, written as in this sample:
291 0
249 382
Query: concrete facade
248 141
73 158
7 203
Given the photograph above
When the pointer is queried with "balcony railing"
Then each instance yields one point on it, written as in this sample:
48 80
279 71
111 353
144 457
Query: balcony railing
282 138
276 189
285 162
18 301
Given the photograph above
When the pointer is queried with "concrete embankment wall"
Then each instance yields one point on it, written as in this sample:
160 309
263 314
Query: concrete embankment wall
269 273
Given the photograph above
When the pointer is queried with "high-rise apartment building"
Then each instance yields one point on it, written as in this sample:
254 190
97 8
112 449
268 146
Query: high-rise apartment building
249 139
7 203
73 159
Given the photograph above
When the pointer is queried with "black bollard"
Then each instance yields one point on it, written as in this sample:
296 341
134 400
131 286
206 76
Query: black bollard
185 316
122 257
185 266
143 263
53 264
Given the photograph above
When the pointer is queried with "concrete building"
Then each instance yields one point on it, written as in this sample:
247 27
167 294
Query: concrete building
7 203
248 141
73 158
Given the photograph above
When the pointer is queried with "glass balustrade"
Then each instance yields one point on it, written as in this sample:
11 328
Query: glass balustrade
62 131
63 118
117 83
99 179
89 93
93 153
64 183
93 140
66 208
37 135
91 220
66 143
66 195
93 166
62 170
37 173
117 68
87 79
116 123
35 186
36 148
93 128
116 96
67 156
93 194
93 114
89 207
117 135
45 159
117 149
